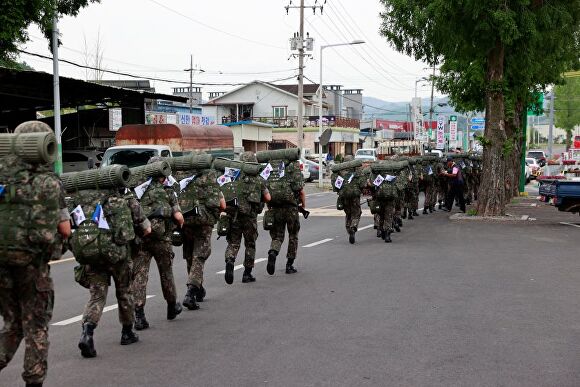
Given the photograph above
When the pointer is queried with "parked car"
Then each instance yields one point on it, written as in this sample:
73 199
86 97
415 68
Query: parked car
527 173
312 169
304 170
80 160
535 169
134 155
539 155
366 154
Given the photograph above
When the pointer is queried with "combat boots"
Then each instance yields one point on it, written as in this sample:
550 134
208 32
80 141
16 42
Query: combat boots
415 213
425 211
289 266
199 293
86 344
189 300
33 384
431 209
140 320
271 266
128 336
410 215
173 310
387 237
404 214
247 276
229 276
396 226
351 238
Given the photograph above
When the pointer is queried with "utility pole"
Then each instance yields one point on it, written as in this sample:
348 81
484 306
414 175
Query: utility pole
551 127
191 70
298 43
56 84
431 106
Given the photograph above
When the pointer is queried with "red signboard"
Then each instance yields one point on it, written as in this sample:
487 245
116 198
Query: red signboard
397 126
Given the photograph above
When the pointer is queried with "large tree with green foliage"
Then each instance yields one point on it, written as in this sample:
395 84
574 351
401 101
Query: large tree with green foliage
492 53
17 15
567 107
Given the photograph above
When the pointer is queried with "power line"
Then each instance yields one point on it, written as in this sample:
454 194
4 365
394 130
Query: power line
147 78
216 29
370 55
355 101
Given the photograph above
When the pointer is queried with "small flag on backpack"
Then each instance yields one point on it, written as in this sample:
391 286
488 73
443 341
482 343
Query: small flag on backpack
350 178
169 181
281 169
140 189
338 183
1 190
266 172
378 180
99 217
185 182
233 173
78 215
390 178
223 179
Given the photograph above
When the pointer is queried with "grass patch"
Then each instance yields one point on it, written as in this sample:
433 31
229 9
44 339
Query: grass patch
472 212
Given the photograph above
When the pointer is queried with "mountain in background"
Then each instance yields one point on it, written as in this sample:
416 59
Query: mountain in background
399 111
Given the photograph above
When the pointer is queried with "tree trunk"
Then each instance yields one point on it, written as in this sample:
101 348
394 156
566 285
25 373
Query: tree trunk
491 196
569 139
514 127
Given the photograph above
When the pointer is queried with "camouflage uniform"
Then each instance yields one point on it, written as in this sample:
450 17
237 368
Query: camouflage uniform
441 184
412 194
157 245
99 278
285 217
27 293
197 232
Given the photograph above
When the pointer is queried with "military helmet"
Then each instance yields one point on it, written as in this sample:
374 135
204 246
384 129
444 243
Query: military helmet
32 127
248 157
154 159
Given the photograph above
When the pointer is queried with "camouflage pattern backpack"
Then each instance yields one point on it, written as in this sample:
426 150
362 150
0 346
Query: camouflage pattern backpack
29 211
103 237
285 182
156 207
351 185
388 190
200 199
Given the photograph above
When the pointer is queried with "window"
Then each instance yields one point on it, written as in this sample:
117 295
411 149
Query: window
279 111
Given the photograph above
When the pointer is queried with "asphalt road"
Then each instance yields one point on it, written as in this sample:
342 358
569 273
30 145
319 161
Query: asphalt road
445 304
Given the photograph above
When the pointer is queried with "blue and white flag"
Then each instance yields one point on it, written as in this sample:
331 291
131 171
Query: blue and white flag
339 182
140 189
185 182
1 190
281 169
223 179
430 172
378 181
78 215
350 178
169 181
233 173
99 217
266 172
390 178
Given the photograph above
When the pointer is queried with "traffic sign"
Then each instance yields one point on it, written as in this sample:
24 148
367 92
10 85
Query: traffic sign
477 120
477 127
452 118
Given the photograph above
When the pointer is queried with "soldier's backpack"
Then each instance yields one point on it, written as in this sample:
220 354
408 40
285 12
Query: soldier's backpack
285 182
350 186
103 237
249 189
156 207
388 189
28 212
428 172
200 199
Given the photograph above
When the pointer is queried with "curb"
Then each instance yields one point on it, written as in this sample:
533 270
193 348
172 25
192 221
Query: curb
493 219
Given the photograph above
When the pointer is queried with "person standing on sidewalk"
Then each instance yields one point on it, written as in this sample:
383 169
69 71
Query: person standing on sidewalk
454 175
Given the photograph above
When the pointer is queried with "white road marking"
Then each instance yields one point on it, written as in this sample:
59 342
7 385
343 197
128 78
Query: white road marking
61 261
365 227
238 267
75 319
570 224
318 243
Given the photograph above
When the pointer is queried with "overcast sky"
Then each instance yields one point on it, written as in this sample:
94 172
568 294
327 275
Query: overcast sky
233 41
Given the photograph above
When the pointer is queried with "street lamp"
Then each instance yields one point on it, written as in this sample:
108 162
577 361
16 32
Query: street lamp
320 105
420 80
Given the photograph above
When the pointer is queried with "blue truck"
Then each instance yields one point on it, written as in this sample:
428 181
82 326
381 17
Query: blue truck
563 194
